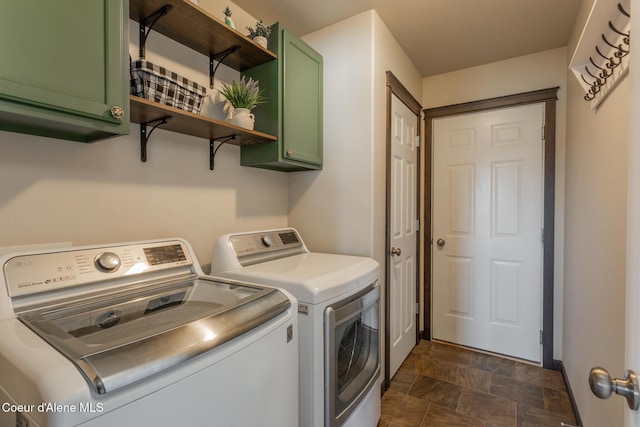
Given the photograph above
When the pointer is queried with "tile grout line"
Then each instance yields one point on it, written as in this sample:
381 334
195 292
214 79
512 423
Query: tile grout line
425 413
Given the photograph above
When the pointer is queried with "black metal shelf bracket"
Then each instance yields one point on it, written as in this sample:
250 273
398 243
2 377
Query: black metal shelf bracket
144 135
219 57
212 151
153 18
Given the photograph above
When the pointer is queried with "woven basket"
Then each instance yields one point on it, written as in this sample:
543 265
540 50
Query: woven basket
150 81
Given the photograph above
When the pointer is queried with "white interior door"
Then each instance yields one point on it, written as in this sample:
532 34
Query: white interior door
403 233
487 230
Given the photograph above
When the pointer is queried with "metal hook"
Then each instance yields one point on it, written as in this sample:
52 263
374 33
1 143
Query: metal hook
614 29
585 80
624 12
598 81
605 74
621 52
612 63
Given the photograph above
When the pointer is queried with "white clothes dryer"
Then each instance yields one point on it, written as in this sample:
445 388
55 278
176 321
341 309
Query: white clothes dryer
339 319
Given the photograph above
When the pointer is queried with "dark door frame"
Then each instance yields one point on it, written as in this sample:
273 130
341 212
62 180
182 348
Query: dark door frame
395 87
549 98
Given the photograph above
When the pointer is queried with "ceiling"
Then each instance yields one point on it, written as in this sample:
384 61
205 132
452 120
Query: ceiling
440 35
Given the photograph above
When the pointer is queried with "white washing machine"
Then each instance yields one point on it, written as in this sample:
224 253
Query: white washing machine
339 308
134 334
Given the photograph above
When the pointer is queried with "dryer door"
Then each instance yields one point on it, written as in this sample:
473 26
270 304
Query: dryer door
352 359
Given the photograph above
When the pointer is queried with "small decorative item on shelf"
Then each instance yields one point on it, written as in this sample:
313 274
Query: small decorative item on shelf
243 97
227 18
260 33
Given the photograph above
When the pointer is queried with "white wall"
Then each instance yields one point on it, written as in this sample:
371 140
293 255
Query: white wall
342 208
523 74
53 190
595 233
333 207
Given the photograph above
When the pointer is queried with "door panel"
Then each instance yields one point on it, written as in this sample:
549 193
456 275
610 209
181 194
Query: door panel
487 222
78 67
403 233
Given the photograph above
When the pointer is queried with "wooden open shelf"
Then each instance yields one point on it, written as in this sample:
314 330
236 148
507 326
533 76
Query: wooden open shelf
194 27
181 121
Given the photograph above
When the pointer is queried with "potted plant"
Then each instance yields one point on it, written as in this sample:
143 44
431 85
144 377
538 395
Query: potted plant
243 96
227 17
260 33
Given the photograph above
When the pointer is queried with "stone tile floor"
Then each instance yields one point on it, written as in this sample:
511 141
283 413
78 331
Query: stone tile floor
441 385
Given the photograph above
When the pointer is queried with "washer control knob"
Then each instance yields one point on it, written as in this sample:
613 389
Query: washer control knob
267 240
108 261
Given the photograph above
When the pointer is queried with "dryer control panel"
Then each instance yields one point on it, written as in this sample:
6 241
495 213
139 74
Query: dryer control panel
253 247
246 244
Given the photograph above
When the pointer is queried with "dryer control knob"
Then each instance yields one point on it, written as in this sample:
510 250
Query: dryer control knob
108 261
267 240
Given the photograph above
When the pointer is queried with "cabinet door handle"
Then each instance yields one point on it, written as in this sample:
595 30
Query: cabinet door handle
117 112
289 152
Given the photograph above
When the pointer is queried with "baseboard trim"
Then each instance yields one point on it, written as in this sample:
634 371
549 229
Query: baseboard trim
559 366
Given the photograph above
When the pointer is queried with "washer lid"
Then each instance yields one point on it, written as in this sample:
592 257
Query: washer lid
126 338
311 277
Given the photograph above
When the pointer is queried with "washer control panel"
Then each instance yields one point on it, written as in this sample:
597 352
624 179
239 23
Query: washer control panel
39 272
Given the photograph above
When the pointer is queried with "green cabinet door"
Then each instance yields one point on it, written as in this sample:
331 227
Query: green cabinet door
293 112
64 68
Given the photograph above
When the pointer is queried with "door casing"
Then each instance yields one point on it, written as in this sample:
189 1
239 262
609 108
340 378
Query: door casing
549 98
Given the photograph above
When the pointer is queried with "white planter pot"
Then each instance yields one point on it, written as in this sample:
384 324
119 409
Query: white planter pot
242 117
262 41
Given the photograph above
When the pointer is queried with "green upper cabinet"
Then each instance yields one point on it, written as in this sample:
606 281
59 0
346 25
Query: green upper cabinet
293 112
64 70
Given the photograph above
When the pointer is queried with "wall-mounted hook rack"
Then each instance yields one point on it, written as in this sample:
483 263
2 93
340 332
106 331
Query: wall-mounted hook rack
144 32
607 32
144 135
212 151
